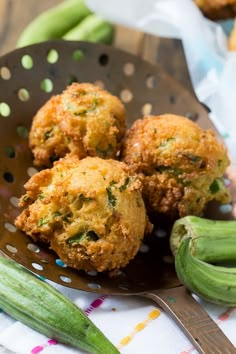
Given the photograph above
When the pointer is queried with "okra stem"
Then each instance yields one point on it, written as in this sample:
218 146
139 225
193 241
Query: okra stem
92 28
211 282
212 241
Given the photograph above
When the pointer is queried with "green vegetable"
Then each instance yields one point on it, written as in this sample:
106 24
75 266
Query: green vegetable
84 199
42 222
111 198
214 283
93 29
125 185
211 241
169 169
47 134
55 214
82 236
40 306
90 109
54 23
214 187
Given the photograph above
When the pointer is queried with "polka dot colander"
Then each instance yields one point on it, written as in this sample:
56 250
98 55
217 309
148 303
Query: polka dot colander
28 77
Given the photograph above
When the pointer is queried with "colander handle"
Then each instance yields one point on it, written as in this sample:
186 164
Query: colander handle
201 330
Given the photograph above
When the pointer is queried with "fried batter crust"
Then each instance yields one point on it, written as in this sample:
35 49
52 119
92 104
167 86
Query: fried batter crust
84 120
180 164
217 9
90 212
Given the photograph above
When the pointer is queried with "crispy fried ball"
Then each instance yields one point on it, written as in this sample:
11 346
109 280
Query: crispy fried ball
89 211
85 120
217 9
181 164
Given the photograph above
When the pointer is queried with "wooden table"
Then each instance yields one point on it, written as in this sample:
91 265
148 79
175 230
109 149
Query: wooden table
16 14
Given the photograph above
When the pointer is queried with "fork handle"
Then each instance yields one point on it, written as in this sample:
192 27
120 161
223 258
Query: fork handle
200 329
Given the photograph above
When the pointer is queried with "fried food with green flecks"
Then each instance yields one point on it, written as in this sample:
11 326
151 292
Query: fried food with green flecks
181 165
89 211
217 9
84 120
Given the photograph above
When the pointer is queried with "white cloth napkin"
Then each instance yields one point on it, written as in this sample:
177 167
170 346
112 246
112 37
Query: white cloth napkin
134 324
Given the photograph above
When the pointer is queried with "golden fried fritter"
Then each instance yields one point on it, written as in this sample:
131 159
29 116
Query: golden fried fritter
89 211
217 9
181 164
84 120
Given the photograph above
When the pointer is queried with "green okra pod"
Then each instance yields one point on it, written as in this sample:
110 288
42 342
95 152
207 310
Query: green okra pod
54 23
40 306
212 241
213 283
92 28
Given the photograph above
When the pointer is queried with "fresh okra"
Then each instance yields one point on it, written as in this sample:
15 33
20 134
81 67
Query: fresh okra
54 23
212 241
40 306
213 283
93 29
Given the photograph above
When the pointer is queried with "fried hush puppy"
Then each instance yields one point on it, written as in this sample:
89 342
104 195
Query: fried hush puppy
181 165
217 9
89 211
84 120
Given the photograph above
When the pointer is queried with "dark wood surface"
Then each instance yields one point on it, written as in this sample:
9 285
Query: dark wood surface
16 14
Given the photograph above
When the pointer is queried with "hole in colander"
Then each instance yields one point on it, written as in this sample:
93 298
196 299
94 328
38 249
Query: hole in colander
99 83
33 248
225 208
11 248
23 94
160 233
5 73
129 69
10 152
22 131
14 201
65 279
172 99
151 81
46 85
93 273
144 248
147 109
60 263
31 171
9 227
103 59
77 55
192 115
94 286
8 177
71 79
37 266
126 95
27 62
52 56
5 110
